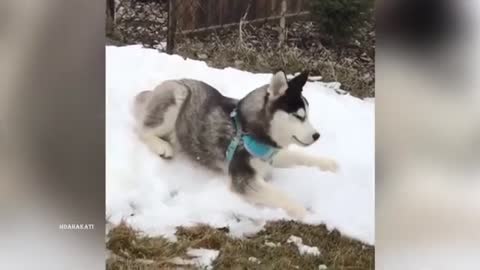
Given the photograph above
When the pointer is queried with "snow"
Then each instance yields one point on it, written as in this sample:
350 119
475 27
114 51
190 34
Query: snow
271 244
200 257
303 249
254 260
155 195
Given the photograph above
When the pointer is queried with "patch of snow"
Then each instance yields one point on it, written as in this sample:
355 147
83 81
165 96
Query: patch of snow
322 267
333 85
162 46
372 100
253 260
303 249
310 78
201 257
155 196
271 244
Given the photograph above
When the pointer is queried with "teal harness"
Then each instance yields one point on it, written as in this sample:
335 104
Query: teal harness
257 149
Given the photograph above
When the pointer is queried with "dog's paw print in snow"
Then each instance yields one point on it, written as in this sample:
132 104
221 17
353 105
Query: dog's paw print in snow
171 196
242 218
173 193
133 208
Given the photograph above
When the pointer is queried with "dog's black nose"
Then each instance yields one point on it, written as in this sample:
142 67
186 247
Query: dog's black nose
315 136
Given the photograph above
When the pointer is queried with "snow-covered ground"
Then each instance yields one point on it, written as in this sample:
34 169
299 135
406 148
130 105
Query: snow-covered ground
155 195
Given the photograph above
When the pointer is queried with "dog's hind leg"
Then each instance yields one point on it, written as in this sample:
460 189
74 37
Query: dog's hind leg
156 113
159 145
289 158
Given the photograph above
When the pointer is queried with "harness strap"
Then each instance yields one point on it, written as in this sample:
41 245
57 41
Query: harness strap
257 149
232 147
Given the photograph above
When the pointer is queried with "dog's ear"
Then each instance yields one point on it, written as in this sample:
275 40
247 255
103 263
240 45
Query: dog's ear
299 81
278 85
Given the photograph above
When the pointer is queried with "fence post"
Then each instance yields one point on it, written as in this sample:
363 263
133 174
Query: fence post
283 32
172 26
110 12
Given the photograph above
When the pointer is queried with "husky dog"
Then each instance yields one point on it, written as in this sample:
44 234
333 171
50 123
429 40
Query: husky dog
193 117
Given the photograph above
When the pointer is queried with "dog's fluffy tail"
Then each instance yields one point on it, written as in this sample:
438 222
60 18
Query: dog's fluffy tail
139 103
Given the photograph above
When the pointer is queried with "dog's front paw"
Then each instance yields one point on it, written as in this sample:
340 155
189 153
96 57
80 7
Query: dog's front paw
326 164
297 212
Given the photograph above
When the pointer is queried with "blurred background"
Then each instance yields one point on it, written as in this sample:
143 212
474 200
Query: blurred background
427 135
52 134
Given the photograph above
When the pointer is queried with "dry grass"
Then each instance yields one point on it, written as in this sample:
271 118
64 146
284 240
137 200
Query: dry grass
256 47
130 250
351 65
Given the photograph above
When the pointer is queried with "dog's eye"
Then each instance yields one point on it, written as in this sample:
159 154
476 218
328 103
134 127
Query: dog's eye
298 117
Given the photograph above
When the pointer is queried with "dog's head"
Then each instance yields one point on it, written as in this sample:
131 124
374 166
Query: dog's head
278 112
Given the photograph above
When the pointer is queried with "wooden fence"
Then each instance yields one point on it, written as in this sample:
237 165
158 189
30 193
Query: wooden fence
152 22
198 15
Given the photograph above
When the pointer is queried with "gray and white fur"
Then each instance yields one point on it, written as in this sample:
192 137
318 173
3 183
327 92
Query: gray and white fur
193 117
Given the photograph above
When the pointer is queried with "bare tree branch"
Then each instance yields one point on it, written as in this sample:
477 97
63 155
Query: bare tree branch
242 20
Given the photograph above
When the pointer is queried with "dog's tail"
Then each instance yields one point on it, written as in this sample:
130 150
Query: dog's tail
139 103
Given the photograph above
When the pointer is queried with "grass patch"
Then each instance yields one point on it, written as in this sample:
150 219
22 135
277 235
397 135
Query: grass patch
130 250
256 47
353 65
